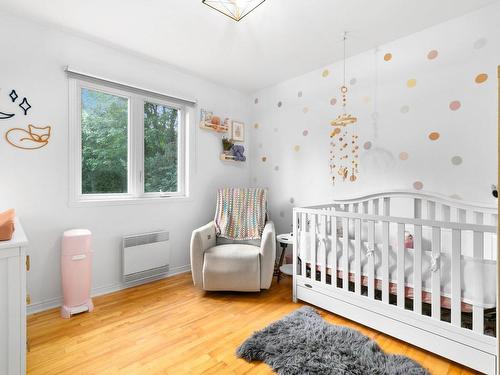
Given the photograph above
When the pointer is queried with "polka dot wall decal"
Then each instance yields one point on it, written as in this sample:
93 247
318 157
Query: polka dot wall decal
456 160
305 133
256 100
418 185
405 109
480 43
434 136
296 148
333 101
255 179
367 145
353 81
455 105
276 168
280 104
432 54
411 83
305 110
264 159
260 145
292 200
403 156
282 213
366 99
481 78
325 73
299 94
256 125
275 130
388 57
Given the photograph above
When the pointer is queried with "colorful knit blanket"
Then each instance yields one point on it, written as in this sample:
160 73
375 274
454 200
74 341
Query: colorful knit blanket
241 213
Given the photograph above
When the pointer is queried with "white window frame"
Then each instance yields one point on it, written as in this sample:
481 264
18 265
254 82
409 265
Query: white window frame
135 165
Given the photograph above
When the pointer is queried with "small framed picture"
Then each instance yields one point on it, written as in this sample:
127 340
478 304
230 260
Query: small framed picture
205 115
238 131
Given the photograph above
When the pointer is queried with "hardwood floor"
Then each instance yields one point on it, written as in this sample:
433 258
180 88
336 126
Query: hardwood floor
169 327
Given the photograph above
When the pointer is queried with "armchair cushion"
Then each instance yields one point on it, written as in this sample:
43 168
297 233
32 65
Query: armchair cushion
233 267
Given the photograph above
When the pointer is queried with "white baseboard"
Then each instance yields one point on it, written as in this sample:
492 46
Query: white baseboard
101 290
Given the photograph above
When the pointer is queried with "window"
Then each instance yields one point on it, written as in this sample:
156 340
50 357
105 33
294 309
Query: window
125 145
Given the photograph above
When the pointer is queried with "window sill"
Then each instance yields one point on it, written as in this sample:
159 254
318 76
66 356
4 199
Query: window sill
92 202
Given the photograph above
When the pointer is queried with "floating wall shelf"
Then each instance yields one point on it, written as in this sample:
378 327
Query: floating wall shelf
215 128
225 157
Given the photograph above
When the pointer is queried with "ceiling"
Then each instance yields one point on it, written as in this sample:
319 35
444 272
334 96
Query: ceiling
279 40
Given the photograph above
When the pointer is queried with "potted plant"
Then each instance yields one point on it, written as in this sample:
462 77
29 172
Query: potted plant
227 144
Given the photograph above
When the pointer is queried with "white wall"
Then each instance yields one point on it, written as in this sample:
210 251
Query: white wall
467 46
35 183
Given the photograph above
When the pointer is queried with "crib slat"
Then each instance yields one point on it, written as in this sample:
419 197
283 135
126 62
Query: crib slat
478 253
375 203
417 270
365 207
357 255
445 212
462 215
436 274
431 210
324 254
334 251
387 206
345 253
371 260
401 266
417 208
385 261
456 247
303 231
493 239
314 248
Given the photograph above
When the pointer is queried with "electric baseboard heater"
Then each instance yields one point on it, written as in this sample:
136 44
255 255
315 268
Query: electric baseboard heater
145 255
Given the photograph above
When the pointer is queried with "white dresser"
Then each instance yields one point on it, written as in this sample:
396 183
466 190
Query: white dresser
13 266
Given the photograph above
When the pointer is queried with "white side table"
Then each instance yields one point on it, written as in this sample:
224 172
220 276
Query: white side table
284 240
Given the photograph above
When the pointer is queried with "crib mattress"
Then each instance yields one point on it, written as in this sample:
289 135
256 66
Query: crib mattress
477 275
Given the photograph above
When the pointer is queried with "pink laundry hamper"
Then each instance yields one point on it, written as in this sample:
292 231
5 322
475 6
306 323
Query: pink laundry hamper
76 271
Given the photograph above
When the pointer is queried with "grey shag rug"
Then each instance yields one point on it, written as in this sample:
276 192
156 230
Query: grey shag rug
303 343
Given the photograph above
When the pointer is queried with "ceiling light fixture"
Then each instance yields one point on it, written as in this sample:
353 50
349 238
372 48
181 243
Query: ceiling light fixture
234 9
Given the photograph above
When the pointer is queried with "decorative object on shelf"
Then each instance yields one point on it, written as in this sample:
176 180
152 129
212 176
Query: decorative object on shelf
227 145
205 116
344 144
238 131
210 122
25 106
238 152
33 138
234 9
13 95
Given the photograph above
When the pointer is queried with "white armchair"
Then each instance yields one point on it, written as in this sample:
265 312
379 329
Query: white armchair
238 266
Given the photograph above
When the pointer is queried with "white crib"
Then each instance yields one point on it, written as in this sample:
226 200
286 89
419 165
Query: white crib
419 267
